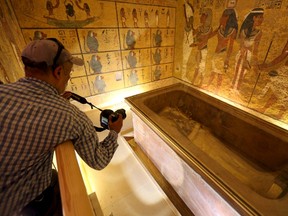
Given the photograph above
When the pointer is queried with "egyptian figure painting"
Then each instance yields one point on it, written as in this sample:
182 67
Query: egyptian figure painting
120 43
238 50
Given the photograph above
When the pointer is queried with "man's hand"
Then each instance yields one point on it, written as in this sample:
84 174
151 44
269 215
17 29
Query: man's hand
116 125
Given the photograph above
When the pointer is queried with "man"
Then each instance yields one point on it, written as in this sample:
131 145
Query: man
34 119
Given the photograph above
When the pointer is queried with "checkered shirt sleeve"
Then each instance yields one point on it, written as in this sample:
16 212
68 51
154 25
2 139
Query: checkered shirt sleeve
34 119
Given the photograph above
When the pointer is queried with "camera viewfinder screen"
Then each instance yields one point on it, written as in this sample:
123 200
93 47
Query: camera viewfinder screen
104 120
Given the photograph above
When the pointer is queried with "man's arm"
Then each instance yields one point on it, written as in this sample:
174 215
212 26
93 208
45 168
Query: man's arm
95 153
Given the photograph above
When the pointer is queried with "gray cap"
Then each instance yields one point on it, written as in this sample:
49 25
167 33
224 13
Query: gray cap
45 51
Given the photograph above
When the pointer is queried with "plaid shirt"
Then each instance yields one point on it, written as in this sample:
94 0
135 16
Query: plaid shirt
34 119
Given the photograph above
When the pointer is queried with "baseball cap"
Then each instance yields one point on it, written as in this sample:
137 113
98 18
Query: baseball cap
51 51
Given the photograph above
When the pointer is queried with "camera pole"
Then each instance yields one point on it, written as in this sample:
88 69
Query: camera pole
82 100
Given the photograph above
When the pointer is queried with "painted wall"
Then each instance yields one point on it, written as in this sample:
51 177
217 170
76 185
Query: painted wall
11 44
237 50
131 42
122 44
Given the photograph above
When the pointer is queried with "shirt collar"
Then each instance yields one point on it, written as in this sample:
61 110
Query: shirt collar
39 84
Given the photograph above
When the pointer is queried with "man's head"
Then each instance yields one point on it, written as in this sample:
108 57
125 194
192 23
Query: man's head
48 60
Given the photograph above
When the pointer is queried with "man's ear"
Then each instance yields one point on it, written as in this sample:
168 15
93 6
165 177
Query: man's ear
57 72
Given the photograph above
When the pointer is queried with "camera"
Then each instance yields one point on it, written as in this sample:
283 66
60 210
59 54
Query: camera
104 116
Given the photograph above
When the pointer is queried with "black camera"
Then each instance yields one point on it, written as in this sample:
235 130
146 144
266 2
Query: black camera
104 116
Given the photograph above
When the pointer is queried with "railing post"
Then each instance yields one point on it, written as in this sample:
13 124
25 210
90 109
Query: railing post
75 201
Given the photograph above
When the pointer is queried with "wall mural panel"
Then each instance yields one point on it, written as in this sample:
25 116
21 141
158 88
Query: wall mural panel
68 37
79 85
102 62
122 44
136 58
162 71
65 13
137 15
134 38
11 44
98 40
137 76
238 50
164 37
99 83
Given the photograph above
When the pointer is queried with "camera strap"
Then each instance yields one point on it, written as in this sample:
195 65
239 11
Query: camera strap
98 129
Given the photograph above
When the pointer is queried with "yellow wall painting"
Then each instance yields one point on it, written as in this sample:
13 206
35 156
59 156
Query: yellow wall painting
137 76
136 58
101 83
68 37
167 37
238 50
98 40
102 62
139 16
79 85
65 13
130 42
122 44
162 71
